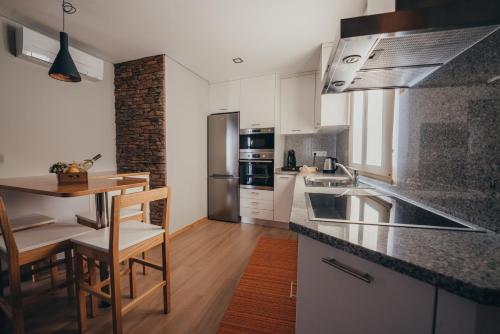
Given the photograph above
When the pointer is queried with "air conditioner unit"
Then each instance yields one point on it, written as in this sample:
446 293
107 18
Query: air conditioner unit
40 49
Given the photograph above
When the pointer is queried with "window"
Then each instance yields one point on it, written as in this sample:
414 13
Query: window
372 115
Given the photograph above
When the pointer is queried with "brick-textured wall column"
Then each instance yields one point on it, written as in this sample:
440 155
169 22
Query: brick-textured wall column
140 121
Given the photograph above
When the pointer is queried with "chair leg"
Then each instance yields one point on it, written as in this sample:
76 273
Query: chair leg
16 299
145 268
1 281
165 254
80 295
116 301
68 260
132 279
93 280
2 314
53 271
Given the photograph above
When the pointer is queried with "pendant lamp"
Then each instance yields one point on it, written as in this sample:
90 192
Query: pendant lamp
64 68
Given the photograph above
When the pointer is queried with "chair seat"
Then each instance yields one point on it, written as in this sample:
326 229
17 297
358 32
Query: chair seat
39 237
131 233
30 221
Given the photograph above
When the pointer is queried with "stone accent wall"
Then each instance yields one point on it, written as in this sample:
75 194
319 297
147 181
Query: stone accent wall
140 121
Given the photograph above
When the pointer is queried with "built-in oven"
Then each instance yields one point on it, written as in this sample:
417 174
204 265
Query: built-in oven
257 140
257 170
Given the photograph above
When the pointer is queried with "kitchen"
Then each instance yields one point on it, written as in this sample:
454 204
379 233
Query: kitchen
352 189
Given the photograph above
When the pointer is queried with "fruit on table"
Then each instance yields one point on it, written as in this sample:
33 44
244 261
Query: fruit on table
73 168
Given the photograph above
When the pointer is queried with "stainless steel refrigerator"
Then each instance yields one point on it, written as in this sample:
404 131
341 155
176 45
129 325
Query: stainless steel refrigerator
223 167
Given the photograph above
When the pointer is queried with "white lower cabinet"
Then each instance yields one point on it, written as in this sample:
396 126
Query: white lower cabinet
284 185
457 315
256 204
332 299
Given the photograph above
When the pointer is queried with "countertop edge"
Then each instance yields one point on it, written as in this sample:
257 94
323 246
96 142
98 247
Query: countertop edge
466 290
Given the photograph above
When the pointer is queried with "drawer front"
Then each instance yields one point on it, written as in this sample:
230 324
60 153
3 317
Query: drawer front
332 295
256 213
256 204
256 194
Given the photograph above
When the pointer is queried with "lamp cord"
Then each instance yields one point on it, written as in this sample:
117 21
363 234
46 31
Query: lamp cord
67 8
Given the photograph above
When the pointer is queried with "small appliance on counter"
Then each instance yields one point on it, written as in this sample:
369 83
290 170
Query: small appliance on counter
291 162
330 165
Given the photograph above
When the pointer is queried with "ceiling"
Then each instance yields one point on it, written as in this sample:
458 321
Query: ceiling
204 35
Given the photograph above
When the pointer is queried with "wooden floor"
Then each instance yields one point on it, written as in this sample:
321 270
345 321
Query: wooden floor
207 262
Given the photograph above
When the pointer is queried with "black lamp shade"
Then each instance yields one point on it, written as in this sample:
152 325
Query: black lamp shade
64 68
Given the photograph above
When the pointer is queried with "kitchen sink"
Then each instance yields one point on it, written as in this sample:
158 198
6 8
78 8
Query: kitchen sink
332 182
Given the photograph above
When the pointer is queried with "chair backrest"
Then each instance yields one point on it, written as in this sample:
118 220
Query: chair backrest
144 206
7 234
143 198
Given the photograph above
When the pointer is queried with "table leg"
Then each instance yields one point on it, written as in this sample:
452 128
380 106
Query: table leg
100 210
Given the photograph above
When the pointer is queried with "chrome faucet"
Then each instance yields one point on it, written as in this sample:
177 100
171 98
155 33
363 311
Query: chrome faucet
353 176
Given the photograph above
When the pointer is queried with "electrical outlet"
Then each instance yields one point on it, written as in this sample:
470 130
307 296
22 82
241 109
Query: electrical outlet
320 153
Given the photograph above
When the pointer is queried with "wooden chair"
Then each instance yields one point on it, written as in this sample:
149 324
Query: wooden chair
120 242
27 222
137 213
27 247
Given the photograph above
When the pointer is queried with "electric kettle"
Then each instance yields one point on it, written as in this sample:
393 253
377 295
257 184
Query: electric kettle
330 165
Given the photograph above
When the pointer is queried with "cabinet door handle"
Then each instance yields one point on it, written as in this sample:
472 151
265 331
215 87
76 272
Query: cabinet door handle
284 177
255 124
348 270
292 294
254 193
295 130
222 108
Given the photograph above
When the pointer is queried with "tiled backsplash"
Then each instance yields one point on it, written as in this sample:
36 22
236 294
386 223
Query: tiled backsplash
304 145
449 138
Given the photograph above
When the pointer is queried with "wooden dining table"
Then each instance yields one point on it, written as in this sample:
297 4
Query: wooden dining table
98 185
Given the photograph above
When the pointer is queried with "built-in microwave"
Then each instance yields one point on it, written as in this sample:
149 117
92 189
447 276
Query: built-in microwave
256 140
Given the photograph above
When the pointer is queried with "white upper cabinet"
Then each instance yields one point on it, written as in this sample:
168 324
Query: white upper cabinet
380 6
326 51
257 102
225 97
297 104
331 111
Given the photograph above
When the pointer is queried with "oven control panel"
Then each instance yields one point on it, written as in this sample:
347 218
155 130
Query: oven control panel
256 155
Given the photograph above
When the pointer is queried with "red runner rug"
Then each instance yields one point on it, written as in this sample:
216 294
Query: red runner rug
262 303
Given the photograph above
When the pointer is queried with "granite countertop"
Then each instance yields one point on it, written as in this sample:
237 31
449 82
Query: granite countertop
464 263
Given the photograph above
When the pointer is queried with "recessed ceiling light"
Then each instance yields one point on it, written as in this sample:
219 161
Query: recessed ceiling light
237 60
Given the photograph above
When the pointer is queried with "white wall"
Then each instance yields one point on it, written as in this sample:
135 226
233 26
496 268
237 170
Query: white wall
43 121
187 107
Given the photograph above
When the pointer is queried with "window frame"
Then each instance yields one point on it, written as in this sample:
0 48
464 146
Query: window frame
390 103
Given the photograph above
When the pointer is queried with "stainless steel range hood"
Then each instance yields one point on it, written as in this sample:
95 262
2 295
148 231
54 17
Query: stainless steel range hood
399 49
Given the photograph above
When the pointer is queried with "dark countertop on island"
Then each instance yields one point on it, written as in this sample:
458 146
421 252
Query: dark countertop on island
464 263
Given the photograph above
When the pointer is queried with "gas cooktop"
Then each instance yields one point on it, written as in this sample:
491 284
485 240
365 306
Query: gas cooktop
377 210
